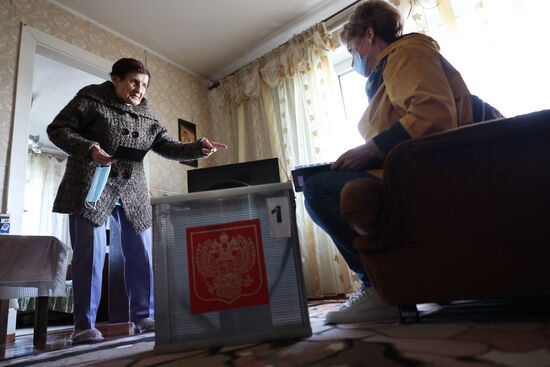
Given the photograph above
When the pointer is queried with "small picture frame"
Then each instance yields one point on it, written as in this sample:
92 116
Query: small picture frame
187 133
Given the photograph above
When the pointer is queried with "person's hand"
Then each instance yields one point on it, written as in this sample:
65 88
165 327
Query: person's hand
210 147
359 158
100 156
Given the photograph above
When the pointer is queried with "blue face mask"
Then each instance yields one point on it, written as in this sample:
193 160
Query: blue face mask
98 184
359 64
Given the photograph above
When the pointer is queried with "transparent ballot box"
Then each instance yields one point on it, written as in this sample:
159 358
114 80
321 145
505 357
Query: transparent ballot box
227 268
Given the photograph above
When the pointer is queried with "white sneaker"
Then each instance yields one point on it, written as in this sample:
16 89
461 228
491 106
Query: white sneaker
363 305
144 325
81 336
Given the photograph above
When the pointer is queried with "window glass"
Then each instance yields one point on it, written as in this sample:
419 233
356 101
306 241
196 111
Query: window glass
354 101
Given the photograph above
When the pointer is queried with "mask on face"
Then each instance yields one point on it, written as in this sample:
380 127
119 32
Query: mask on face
98 184
359 62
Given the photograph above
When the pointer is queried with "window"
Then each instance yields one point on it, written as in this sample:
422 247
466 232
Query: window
354 103
495 45
354 98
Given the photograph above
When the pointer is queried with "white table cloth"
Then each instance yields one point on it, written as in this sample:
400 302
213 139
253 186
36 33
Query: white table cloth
32 266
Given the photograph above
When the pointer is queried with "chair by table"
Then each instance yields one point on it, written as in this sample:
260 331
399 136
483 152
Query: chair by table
32 266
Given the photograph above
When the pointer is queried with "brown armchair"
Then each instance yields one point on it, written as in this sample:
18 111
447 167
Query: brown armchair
460 215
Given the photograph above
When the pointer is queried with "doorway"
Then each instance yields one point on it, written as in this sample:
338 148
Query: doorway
54 85
50 73
36 45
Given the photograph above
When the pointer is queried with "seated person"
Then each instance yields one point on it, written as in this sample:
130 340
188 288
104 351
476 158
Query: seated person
413 91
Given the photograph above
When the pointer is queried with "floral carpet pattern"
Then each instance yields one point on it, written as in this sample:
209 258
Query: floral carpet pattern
463 335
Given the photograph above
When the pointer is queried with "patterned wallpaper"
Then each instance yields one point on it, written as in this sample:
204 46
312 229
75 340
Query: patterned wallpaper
173 93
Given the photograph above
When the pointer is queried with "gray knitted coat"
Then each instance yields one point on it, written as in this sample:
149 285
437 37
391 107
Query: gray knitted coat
96 116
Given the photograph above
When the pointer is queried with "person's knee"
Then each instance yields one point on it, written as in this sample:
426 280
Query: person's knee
314 186
308 188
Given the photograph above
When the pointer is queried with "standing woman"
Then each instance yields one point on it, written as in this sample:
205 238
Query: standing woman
98 120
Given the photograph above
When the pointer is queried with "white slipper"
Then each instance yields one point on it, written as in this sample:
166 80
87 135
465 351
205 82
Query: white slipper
144 325
81 336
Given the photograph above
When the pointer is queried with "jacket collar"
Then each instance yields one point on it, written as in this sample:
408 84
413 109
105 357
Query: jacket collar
411 39
105 93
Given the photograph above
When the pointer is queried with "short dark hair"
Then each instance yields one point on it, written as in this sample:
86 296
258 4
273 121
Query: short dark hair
122 67
382 16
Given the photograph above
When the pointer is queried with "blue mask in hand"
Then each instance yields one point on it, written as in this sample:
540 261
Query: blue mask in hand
98 184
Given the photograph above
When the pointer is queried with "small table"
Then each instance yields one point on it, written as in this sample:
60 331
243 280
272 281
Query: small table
32 266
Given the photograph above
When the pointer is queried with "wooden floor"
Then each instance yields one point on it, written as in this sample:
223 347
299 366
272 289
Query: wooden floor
58 338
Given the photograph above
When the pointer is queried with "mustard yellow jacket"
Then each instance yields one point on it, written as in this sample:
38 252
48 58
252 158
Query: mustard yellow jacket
414 91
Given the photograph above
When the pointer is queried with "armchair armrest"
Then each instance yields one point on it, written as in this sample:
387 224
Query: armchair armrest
449 186
361 204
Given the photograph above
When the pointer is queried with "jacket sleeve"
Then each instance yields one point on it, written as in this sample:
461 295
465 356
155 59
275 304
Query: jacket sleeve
417 85
65 130
171 148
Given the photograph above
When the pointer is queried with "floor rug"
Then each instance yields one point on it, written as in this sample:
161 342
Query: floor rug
467 334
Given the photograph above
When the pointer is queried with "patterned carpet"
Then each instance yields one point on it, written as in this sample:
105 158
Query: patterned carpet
465 334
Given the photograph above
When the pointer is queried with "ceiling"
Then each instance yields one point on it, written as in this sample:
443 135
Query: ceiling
208 38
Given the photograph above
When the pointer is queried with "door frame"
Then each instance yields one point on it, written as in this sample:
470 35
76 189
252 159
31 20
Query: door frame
35 42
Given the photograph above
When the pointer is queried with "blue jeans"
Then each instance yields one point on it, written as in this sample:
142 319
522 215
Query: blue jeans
89 244
322 202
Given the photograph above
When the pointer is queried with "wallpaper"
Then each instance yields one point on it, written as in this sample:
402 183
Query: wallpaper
173 93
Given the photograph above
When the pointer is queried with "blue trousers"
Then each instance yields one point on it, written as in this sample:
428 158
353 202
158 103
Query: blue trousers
322 201
89 245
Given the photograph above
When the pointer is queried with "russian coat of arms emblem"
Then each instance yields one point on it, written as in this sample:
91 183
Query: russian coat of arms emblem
226 266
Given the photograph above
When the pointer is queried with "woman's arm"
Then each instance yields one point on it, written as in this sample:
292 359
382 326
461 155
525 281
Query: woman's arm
65 130
417 85
170 148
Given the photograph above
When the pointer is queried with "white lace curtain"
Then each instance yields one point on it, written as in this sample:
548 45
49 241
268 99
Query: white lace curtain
44 173
285 105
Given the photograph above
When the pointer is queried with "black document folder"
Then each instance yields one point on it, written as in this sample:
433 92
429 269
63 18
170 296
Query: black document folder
301 173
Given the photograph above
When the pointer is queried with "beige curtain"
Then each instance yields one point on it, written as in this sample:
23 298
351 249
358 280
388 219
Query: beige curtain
285 105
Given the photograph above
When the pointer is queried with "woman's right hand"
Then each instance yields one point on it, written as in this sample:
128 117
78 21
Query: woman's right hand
359 158
100 156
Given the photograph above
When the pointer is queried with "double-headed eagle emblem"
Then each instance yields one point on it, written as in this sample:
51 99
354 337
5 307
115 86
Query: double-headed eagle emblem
225 263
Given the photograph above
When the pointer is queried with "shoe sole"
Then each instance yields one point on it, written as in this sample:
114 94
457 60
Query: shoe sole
87 341
138 331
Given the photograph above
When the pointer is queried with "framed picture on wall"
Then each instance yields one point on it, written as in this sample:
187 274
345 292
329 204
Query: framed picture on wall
187 133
